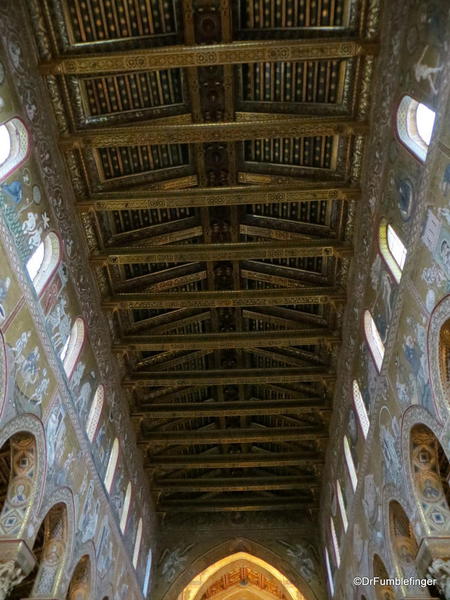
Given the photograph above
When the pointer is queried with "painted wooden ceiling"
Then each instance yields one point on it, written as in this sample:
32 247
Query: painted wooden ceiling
215 150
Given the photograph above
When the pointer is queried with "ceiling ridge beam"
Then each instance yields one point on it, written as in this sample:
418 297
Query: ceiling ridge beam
211 299
229 339
183 56
143 134
228 196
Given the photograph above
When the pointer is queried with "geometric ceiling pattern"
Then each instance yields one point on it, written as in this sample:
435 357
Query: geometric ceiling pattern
215 151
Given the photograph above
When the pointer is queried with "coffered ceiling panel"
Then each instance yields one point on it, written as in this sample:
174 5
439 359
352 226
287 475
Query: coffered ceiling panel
215 149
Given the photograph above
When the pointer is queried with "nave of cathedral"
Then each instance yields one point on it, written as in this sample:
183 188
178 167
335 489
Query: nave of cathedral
224 299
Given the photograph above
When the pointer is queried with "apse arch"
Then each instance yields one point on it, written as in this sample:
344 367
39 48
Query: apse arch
241 564
307 588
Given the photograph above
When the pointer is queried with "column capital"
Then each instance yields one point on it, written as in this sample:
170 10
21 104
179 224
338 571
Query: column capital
16 562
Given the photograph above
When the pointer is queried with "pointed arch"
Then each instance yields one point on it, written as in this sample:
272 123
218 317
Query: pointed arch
44 261
72 348
80 587
22 455
382 592
430 471
221 573
403 540
415 122
137 543
54 551
125 508
14 146
112 464
94 412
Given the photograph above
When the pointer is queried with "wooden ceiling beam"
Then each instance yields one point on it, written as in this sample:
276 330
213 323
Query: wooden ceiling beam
229 196
215 377
233 435
147 133
172 57
253 406
223 505
235 484
213 299
231 339
234 461
223 251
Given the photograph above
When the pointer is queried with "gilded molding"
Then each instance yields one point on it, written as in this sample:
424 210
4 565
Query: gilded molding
154 59
149 133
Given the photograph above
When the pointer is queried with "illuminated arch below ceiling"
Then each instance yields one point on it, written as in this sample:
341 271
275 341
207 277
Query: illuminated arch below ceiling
204 581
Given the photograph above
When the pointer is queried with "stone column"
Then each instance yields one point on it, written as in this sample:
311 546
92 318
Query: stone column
433 561
16 562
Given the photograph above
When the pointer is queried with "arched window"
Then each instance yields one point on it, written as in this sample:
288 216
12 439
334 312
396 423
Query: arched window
137 544
148 569
329 572
72 348
341 503
126 508
95 412
334 540
44 261
350 464
112 463
415 123
360 409
392 249
14 146
374 339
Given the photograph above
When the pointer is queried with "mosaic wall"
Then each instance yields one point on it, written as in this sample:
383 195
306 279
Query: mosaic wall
56 471
405 456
